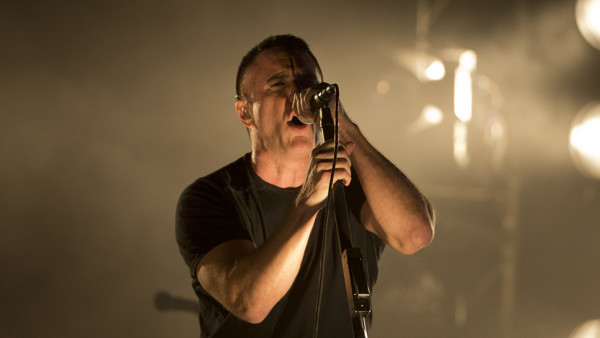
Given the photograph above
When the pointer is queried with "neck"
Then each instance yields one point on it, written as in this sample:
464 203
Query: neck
281 171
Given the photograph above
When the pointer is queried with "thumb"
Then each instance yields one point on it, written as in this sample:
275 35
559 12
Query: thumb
349 147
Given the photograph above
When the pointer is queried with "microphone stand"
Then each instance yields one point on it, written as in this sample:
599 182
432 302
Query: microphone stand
357 289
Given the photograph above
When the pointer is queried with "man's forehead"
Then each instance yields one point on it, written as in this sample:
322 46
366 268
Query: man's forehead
279 56
276 59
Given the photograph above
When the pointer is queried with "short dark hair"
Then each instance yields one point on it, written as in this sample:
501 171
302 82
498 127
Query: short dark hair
287 42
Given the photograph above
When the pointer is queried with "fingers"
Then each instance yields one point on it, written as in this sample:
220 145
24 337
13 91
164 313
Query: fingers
341 172
344 150
301 105
323 162
349 146
315 189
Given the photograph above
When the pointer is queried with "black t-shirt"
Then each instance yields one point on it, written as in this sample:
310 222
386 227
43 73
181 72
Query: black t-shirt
234 203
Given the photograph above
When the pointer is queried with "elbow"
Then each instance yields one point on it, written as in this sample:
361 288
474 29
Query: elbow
423 231
420 232
251 311
422 236
417 239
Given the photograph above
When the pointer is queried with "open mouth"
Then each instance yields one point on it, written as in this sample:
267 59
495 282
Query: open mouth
296 122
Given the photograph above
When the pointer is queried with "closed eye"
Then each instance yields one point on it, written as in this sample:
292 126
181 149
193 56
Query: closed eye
277 80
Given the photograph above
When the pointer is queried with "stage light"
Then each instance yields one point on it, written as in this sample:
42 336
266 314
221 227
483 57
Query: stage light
584 140
425 67
587 15
463 89
430 116
463 96
435 71
460 151
468 60
589 329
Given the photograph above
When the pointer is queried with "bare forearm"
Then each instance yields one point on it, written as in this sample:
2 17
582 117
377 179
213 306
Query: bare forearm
396 208
256 282
249 281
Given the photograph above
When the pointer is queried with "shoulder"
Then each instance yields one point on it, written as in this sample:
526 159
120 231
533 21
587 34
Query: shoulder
233 175
215 200
206 213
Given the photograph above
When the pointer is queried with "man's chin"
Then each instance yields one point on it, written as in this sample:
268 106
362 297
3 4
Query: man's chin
302 144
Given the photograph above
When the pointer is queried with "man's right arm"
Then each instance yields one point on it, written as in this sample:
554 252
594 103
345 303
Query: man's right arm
249 281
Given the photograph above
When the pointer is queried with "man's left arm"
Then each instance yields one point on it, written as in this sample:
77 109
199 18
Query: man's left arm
395 209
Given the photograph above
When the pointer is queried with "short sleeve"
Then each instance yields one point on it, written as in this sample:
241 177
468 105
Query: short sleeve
205 218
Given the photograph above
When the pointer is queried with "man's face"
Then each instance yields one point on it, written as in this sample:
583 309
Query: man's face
269 84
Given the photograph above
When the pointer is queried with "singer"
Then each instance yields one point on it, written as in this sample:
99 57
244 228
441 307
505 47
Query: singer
250 232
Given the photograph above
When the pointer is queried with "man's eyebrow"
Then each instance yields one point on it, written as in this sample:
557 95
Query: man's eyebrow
278 76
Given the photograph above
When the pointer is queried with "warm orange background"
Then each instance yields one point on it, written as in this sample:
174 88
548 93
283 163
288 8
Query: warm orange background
109 109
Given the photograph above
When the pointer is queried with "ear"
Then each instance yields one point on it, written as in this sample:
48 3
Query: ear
242 107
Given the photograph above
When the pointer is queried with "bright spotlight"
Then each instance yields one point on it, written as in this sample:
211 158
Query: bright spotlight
424 66
435 71
463 91
463 96
460 151
432 114
584 140
468 60
587 15
589 329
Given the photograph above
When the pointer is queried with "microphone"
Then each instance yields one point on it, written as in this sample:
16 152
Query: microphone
306 109
323 96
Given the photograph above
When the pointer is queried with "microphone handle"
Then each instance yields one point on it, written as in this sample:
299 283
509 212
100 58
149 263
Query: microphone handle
355 280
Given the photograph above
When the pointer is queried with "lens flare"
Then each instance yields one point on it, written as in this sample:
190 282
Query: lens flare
587 15
584 140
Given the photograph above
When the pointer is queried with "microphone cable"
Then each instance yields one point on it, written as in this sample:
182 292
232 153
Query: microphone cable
325 226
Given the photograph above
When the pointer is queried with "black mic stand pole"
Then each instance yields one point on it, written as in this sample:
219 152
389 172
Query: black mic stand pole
357 289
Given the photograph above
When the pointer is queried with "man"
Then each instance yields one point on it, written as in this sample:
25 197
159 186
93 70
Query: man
251 232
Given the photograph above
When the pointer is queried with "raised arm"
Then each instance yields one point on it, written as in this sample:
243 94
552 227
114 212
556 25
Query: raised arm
395 209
